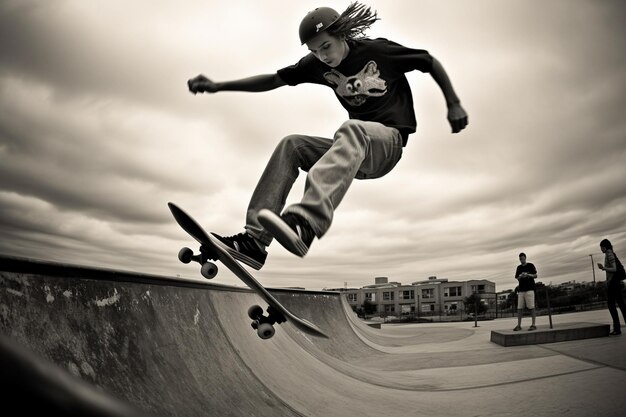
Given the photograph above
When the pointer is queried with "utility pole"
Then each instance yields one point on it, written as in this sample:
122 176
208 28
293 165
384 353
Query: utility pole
593 270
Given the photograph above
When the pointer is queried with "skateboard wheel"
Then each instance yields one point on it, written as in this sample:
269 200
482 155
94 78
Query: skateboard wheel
255 311
265 331
209 270
185 255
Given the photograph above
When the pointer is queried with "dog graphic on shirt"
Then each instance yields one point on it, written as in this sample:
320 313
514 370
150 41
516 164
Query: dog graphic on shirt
357 88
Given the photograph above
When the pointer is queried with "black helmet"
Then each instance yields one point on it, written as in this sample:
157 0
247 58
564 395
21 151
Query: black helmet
315 22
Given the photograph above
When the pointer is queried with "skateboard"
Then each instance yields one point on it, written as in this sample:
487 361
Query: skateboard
211 250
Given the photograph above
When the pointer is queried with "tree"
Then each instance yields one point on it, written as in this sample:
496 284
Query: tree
369 307
472 302
510 302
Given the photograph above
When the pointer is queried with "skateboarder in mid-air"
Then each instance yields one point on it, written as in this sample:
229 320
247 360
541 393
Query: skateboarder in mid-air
368 78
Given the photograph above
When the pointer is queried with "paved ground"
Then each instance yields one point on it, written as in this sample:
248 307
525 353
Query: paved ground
178 348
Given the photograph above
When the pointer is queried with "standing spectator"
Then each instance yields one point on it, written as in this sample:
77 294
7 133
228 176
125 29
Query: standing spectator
613 285
525 274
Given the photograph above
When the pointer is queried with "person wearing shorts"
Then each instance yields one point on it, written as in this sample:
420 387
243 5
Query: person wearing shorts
525 274
526 299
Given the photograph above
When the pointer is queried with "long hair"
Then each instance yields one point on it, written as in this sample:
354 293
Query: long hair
354 21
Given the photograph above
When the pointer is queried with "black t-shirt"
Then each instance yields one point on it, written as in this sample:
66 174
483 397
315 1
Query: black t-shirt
526 284
370 82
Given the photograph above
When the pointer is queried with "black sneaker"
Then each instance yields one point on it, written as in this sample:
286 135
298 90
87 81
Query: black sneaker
244 249
290 230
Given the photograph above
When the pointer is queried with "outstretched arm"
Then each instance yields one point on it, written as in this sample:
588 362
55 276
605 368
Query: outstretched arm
456 114
257 83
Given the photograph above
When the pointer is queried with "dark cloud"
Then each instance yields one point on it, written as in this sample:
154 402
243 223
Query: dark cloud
98 132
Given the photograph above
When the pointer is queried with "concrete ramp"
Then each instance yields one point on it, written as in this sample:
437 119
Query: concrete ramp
184 348
156 343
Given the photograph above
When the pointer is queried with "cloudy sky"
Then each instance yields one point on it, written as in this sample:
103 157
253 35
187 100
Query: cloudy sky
98 133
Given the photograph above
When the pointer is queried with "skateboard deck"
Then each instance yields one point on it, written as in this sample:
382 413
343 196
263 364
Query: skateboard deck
211 249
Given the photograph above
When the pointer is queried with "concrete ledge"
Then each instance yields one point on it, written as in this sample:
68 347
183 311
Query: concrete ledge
543 334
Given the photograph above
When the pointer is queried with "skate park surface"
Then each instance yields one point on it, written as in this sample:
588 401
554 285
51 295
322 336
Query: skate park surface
176 347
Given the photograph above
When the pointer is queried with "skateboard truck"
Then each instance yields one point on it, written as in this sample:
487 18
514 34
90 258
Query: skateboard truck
264 325
209 269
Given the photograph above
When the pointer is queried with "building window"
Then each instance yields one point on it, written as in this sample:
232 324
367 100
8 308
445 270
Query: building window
428 293
426 308
390 308
452 292
407 308
407 295
478 289
388 296
370 296
451 308
352 298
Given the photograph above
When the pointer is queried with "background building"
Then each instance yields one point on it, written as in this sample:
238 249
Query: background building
431 297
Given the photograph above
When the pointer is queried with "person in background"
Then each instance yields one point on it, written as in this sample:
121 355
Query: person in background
613 285
525 274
